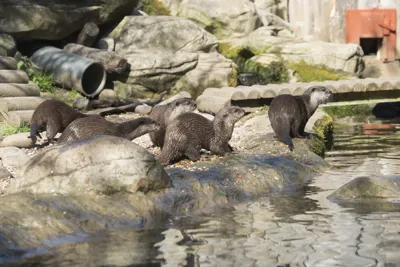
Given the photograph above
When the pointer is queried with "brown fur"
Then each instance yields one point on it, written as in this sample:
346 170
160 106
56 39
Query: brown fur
163 114
289 114
190 132
55 116
87 127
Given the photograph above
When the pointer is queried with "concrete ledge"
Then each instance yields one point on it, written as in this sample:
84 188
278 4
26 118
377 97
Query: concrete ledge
220 97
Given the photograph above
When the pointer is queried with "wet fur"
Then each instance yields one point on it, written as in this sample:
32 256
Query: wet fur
54 116
190 132
87 127
165 113
289 114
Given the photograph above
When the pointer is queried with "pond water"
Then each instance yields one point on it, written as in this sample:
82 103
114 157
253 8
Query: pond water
300 229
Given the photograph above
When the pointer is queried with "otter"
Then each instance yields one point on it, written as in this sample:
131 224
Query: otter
91 126
55 116
164 114
289 114
188 133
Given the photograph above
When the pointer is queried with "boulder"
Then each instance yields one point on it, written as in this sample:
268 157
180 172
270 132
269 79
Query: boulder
263 38
212 70
343 57
272 13
157 71
13 157
160 33
20 140
236 19
55 20
367 188
277 8
8 42
104 164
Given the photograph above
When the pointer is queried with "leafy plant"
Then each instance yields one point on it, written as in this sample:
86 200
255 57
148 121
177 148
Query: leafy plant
9 129
43 80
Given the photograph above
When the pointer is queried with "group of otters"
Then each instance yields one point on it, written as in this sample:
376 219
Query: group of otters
175 128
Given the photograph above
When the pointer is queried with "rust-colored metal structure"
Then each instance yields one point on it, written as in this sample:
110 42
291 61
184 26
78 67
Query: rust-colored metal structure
373 23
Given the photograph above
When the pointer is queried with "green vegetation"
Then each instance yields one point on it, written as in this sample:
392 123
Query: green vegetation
44 81
275 72
155 8
311 73
324 139
357 110
234 77
9 129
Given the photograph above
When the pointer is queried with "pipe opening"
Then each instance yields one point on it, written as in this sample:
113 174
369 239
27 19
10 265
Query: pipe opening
93 79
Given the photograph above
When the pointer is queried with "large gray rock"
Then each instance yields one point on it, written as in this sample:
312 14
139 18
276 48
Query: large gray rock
55 20
104 164
263 38
13 157
272 12
157 71
225 20
160 33
368 188
278 8
212 70
343 57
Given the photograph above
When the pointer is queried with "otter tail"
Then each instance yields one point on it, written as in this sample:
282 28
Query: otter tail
287 141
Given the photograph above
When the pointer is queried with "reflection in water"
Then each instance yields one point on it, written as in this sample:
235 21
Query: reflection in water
302 228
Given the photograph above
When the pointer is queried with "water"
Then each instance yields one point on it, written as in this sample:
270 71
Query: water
301 229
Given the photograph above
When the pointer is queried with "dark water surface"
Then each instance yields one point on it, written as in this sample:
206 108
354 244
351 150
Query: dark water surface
301 229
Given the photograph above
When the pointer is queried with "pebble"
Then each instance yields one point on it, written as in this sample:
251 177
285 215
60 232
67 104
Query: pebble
143 109
108 94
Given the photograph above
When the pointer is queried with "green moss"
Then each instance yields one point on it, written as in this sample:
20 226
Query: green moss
216 29
8 129
358 110
275 72
311 73
324 139
233 79
155 8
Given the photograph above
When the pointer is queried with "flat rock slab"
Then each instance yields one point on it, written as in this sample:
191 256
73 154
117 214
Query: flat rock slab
104 164
20 140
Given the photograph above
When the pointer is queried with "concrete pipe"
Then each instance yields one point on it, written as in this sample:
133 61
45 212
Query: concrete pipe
70 70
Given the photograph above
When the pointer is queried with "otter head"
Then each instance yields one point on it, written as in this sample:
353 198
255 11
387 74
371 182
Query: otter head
142 126
318 95
179 106
229 115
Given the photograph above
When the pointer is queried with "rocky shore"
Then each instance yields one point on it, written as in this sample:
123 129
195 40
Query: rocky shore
46 197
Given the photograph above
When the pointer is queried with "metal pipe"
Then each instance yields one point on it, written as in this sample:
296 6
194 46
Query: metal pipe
70 70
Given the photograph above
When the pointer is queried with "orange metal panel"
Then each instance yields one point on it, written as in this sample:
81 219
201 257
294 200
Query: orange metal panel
373 23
